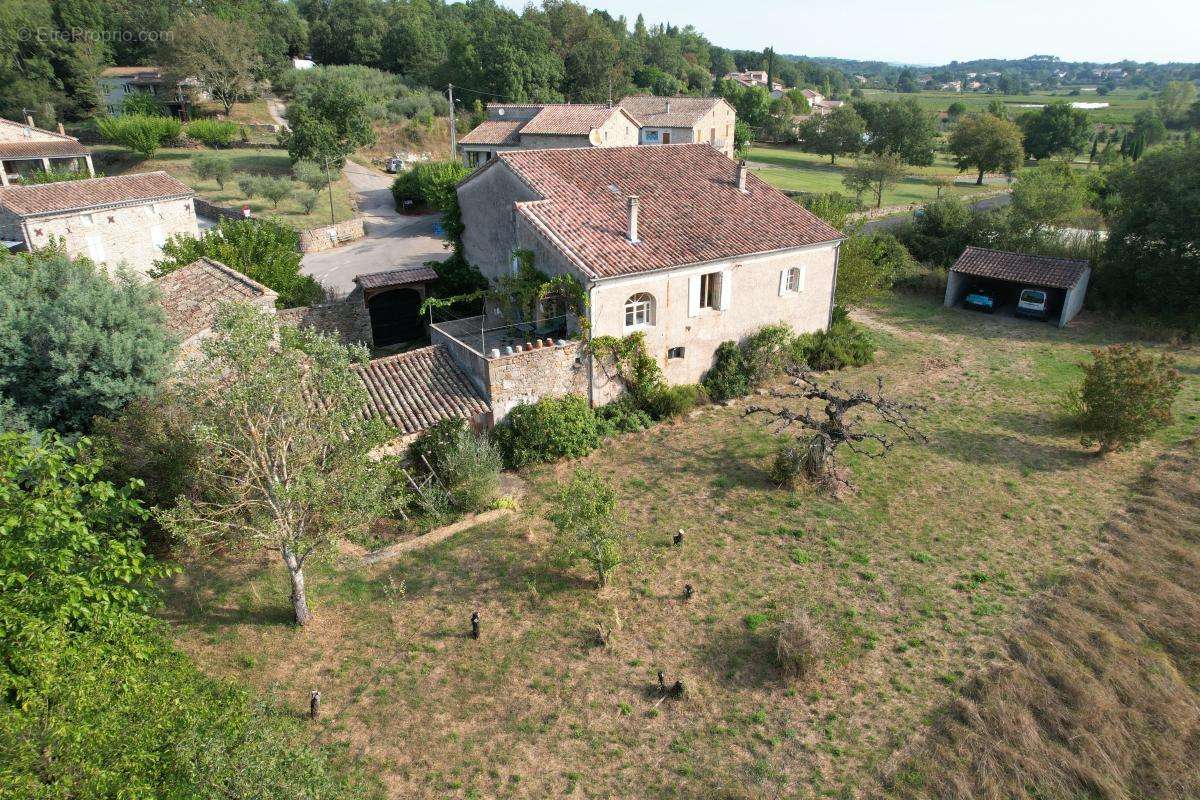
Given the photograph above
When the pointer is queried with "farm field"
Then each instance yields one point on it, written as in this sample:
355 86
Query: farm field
113 160
916 577
1123 103
791 169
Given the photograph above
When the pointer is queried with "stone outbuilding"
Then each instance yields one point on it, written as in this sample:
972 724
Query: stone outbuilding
26 148
533 126
191 296
122 220
1005 274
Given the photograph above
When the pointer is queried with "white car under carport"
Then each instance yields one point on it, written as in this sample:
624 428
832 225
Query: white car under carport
1008 274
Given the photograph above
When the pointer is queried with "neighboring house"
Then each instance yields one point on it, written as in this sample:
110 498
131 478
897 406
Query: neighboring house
191 296
1006 275
527 126
677 242
177 96
26 148
684 120
757 77
303 63
125 219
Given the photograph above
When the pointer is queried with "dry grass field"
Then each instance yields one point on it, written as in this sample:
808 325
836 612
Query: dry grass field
921 578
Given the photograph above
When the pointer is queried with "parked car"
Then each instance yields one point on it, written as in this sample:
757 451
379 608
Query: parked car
394 164
1032 303
980 299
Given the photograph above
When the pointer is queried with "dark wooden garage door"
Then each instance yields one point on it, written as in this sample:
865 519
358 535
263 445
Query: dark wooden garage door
395 317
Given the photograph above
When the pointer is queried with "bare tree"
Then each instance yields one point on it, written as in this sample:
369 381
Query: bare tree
816 455
221 55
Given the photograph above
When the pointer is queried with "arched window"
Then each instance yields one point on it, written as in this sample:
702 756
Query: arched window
639 311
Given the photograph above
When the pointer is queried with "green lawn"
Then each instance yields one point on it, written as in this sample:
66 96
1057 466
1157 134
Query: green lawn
113 160
791 169
915 578
1123 103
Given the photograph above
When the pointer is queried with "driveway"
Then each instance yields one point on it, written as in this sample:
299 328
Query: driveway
886 223
392 241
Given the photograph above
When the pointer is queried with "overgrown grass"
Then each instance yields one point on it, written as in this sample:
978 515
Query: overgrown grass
917 578
274 162
1123 103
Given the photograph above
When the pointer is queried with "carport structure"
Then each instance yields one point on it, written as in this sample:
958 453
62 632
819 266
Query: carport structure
1064 280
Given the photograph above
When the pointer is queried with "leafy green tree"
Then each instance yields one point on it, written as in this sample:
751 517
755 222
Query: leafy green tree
276 189
1126 395
76 342
987 144
868 265
874 173
940 231
1175 100
330 119
838 133
143 135
1051 194
279 470
221 54
902 127
346 31
430 184
70 553
1149 127
142 104
584 513
312 175
267 251
906 82
1056 130
1150 262
210 166
956 109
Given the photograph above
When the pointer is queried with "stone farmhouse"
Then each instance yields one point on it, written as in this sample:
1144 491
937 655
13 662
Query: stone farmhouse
684 120
26 148
677 242
177 95
756 77
516 126
122 220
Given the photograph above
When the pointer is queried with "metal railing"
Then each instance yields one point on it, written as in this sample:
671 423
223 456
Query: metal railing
500 340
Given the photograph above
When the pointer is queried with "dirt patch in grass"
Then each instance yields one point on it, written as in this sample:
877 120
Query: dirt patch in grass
1097 692
915 579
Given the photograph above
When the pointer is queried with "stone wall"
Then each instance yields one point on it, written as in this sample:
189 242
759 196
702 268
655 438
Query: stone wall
533 374
328 237
347 319
213 211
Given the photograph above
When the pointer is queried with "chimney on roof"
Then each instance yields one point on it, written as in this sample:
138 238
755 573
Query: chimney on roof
29 120
668 105
634 205
741 175
61 129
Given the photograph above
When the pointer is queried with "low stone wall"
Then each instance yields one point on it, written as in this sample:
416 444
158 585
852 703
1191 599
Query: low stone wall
347 319
472 364
533 374
206 209
328 237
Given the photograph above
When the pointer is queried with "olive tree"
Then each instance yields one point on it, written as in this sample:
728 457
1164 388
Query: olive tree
284 443
586 519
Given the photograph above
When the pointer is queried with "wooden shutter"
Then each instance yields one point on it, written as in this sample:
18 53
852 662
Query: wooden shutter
783 278
694 296
726 290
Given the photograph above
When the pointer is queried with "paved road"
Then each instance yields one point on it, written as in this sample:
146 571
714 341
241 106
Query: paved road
986 204
392 241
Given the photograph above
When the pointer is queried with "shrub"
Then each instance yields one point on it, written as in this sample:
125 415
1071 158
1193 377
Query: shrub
213 132
275 189
1127 394
800 646
307 200
622 416
468 466
667 402
210 166
143 104
845 344
585 516
141 134
430 184
248 184
550 429
311 175
766 352
433 440
57 176
729 376
788 464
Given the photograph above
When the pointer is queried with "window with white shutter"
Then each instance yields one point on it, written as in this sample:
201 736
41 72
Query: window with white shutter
95 248
156 237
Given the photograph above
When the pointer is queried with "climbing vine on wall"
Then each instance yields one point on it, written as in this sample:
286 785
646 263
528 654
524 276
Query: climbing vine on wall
635 367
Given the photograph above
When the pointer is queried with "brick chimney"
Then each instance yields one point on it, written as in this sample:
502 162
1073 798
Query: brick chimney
29 120
741 175
61 129
668 111
634 206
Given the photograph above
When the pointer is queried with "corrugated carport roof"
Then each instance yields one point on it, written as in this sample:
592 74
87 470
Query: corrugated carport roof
1054 273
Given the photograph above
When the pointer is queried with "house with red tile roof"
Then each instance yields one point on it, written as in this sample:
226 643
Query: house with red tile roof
119 220
677 242
529 126
26 148
684 120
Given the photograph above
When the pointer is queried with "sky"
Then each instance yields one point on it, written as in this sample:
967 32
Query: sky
934 33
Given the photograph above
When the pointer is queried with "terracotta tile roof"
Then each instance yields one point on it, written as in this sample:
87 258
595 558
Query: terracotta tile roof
495 131
396 277
691 208
685 112
130 72
36 148
192 295
568 120
412 391
1054 273
56 198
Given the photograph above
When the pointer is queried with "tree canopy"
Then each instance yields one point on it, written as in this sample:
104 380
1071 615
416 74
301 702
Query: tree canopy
987 144
901 127
836 134
1057 129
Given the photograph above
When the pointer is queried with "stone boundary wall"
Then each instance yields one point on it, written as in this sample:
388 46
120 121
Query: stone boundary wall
208 209
328 237
347 319
533 374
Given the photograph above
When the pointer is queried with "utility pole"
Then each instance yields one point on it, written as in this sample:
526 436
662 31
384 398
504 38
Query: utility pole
329 186
453 131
